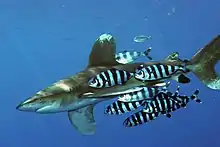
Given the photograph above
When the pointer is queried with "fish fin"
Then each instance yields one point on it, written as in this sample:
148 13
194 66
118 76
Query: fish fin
168 115
103 52
161 84
203 64
183 105
83 120
173 56
147 52
181 78
147 110
194 96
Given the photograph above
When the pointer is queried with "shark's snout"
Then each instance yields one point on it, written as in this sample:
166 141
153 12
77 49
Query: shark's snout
30 105
39 105
21 107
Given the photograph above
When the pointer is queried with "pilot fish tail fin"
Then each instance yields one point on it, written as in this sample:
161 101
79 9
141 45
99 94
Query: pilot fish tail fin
203 64
147 52
194 96
83 120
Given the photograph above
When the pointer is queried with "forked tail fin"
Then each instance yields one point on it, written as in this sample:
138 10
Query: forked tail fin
203 64
147 52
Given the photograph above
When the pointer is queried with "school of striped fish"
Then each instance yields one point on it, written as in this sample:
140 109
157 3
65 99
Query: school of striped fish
146 103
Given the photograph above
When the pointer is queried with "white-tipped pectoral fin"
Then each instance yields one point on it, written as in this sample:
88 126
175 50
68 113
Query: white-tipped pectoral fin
83 120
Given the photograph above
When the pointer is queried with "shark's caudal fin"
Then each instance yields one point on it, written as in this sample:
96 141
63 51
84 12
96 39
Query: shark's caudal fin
103 52
203 64
83 120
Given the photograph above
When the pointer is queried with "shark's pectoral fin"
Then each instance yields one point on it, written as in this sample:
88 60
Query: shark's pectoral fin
83 120
103 51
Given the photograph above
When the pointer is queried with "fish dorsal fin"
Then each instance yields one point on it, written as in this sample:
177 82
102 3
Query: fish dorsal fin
173 56
83 120
103 52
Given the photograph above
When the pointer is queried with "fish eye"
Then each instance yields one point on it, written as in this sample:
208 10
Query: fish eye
140 73
127 123
117 58
93 81
106 111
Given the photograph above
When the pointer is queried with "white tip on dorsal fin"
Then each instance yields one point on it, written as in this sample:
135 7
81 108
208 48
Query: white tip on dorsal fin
103 51
83 120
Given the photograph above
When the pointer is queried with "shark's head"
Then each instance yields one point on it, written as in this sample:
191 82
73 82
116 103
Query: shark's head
55 98
40 105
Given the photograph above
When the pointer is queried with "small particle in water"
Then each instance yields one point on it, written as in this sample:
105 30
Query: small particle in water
145 18
141 38
62 6
172 11
158 1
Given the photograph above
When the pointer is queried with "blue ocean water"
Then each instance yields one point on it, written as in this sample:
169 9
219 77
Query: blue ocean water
46 40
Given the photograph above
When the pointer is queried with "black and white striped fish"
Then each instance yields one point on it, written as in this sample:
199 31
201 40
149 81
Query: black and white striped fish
118 107
169 102
161 72
184 99
143 94
110 78
165 104
139 118
126 57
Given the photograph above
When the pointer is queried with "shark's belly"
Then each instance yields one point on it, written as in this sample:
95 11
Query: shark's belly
82 103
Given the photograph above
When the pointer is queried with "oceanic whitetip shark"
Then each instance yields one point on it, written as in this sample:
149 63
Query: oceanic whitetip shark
73 95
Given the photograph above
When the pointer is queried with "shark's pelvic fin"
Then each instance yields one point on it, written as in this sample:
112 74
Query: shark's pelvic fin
103 52
83 120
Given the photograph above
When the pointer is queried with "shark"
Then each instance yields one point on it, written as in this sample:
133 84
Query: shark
73 96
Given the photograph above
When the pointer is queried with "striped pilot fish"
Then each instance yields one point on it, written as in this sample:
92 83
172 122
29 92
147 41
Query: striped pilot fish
163 104
118 107
184 99
169 102
146 93
161 72
110 78
126 57
131 101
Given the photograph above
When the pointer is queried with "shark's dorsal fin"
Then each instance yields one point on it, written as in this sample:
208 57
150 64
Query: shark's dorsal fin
83 120
103 52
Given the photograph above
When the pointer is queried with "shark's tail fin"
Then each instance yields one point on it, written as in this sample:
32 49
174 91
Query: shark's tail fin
203 64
